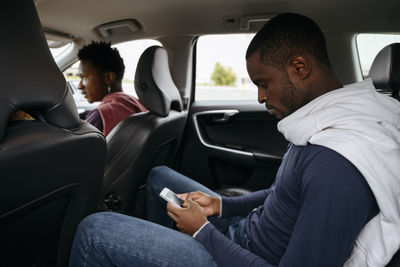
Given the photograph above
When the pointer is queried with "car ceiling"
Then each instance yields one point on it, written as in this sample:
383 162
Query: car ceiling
79 18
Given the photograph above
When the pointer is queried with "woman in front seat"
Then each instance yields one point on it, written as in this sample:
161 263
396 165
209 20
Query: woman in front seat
101 71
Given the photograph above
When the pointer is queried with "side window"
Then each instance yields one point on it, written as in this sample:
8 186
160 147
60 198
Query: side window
130 53
369 46
221 73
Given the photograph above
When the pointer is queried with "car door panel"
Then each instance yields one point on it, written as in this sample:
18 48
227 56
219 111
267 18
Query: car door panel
231 144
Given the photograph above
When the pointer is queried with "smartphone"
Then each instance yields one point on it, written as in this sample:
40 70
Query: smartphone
170 196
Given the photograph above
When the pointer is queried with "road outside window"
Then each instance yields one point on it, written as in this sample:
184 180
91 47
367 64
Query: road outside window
369 46
221 68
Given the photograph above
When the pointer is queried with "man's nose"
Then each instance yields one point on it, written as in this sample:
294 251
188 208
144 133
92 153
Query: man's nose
262 97
80 86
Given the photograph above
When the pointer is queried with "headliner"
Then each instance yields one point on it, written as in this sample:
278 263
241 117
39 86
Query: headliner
196 17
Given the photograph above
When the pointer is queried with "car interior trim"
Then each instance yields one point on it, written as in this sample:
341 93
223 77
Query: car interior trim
228 113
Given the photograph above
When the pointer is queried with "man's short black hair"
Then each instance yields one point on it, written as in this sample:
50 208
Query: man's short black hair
288 35
103 57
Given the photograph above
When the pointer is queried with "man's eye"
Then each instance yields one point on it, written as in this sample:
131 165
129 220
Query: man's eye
262 85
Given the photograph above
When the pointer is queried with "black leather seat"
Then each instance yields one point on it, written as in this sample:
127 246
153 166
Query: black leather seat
51 167
385 70
143 140
385 74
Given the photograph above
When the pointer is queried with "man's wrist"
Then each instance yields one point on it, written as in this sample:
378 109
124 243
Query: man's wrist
198 231
217 206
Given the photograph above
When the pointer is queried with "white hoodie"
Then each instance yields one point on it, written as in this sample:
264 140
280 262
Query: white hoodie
364 127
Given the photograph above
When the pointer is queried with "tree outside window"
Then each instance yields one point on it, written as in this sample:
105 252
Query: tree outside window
223 75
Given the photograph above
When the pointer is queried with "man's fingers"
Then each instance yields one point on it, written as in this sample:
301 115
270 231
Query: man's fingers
197 205
183 196
195 194
172 215
193 203
187 204
172 208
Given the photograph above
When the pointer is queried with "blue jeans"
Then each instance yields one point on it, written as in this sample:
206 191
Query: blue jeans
111 239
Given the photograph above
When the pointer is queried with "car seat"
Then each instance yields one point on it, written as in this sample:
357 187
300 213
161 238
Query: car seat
143 140
51 166
385 70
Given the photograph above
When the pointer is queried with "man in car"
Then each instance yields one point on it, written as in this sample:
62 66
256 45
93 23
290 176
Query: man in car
334 201
101 72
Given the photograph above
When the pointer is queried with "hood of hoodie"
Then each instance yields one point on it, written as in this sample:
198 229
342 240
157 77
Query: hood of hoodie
363 126
339 108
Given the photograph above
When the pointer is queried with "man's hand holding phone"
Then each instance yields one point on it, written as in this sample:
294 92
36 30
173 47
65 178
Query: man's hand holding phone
189 218
193 212
211 205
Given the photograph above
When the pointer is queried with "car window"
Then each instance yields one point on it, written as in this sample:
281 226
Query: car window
221 68
369 46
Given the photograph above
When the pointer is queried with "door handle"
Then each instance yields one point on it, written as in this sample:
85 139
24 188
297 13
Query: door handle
227 115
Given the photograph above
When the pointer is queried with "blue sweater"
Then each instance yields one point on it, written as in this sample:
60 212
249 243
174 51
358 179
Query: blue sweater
310 216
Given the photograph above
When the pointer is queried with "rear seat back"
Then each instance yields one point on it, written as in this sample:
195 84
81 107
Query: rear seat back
385 70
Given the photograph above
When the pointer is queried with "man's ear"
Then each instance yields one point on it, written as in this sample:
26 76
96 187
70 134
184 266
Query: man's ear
109 77
300 67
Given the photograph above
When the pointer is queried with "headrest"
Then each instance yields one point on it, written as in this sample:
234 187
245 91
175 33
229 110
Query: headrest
31 79
385 70
153 82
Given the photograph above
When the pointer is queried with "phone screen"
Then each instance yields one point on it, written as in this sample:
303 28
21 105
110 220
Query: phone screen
174 198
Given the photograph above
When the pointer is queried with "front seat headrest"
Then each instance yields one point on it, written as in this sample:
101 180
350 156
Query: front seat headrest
153 82
31 79
385 69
